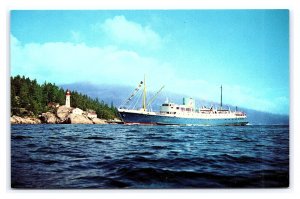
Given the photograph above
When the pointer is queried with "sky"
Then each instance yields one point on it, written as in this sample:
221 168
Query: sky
190 52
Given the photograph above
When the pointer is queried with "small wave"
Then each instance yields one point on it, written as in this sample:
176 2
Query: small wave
91 178
76 155
170 140
70 138
141 160
94 181
42 161
31 145
43 150
98 138
159 147
133 131
145 153
117 184
160 178
79 167
53 137
48 162
241 139
238 159
20 137
154 137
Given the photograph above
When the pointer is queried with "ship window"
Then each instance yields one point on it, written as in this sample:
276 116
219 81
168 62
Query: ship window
165 105
177 108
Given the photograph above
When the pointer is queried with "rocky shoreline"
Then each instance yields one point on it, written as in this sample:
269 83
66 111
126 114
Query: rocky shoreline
61 115
24 120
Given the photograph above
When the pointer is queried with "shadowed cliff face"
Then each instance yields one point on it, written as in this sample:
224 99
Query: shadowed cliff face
117 94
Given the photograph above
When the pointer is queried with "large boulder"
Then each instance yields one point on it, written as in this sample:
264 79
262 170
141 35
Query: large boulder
99 121
78 119
49 118
63 113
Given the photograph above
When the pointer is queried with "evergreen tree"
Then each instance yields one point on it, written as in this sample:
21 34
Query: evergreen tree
27 96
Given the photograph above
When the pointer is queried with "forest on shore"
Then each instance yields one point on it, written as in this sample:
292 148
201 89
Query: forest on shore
29 98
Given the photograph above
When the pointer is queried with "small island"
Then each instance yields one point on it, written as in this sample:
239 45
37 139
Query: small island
32 103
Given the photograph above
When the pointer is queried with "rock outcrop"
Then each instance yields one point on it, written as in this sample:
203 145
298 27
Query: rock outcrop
99 121
115 121
63 113
24 120
78 119
49 118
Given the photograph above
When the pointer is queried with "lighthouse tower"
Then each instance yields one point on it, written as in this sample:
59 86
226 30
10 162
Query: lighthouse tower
68 98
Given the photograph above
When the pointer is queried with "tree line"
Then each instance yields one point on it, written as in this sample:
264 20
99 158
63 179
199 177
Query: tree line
30 98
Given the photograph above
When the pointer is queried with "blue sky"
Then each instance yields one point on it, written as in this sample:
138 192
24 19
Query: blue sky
191 52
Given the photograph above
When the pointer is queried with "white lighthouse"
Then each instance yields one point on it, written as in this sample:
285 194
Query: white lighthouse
68 98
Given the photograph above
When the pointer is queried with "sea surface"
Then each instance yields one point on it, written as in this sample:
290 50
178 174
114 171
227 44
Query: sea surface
122 156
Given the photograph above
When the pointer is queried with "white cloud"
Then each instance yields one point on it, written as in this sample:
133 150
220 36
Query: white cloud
122 30
65 62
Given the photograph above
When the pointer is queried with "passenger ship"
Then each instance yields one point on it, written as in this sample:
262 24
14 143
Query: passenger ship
175 114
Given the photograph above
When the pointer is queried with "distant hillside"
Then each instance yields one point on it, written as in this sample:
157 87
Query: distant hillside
116 94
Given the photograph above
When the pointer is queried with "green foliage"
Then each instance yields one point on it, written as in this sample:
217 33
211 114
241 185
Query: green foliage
30 98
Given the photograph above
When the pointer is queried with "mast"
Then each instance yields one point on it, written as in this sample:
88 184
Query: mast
221 96
144 94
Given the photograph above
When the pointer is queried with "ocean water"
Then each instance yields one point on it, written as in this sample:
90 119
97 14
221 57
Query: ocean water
122 156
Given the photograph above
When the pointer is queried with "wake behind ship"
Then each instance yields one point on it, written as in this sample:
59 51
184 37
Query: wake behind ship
184 114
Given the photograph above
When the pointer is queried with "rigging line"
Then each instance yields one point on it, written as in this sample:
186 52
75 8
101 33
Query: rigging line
138 99
124 102
132 101
154 96
149 105
131 105
132 94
